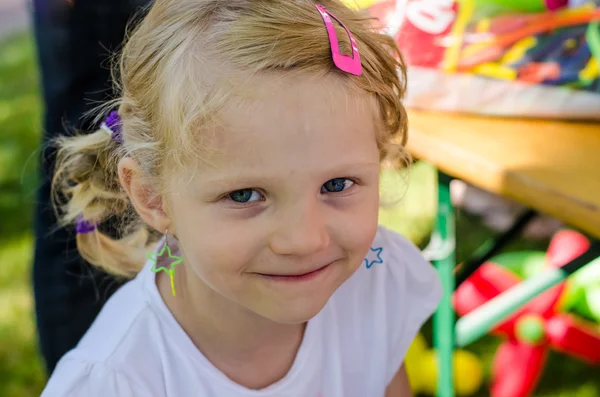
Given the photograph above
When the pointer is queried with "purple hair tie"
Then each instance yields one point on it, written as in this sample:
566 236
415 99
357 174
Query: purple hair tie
112 126
83 227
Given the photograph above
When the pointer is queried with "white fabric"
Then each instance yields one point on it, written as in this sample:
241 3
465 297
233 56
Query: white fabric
431 89
352 348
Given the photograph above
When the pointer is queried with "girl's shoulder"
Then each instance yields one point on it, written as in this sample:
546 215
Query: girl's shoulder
389 297
107 360
78 375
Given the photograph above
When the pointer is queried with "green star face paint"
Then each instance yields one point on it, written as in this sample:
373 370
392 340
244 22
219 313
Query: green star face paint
170 268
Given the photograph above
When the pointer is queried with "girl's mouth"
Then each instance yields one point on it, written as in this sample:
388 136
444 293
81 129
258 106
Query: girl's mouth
305 276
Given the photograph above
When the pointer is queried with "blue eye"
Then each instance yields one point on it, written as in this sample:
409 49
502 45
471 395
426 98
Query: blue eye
245 196
336 185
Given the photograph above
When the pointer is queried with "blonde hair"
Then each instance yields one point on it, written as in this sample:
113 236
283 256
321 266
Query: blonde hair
175 72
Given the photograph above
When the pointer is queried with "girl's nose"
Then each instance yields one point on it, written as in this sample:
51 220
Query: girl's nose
301 232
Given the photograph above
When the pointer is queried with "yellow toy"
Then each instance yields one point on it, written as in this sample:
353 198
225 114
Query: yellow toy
360 4
420 365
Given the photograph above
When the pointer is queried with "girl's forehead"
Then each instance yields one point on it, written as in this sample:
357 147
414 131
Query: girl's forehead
289 86
308 109
312 123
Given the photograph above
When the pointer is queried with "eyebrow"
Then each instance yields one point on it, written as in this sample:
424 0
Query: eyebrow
251 178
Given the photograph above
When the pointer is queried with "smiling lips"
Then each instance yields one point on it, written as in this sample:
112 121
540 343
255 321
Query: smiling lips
296 277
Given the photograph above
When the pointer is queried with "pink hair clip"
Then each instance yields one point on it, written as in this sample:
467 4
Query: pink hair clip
343 62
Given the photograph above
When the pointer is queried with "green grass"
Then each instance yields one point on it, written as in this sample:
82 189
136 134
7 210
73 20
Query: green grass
20 366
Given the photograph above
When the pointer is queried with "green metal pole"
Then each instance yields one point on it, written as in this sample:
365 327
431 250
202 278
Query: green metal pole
443 319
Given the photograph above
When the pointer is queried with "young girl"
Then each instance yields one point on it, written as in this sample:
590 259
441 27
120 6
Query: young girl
244 163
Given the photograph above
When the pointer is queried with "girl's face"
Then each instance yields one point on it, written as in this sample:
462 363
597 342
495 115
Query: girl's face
286 209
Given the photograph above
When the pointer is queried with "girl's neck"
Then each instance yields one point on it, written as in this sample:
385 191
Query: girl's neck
251 350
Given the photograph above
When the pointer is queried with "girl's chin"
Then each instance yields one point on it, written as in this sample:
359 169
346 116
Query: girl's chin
296 309
296 314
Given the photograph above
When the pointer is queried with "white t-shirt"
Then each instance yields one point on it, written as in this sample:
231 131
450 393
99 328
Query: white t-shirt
352 348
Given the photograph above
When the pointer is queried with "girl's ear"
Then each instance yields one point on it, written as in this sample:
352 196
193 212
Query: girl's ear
148 203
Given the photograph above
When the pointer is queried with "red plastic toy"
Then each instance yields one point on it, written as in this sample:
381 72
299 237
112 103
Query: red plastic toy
536 327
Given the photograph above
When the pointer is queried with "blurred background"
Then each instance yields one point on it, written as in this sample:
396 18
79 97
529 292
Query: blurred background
22 373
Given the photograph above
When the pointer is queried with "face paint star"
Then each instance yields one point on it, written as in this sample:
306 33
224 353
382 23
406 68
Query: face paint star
176 260
378 252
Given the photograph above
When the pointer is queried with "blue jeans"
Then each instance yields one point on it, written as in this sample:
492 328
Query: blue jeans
73 42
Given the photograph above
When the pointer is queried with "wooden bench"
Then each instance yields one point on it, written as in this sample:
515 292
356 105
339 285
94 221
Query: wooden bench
552 167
